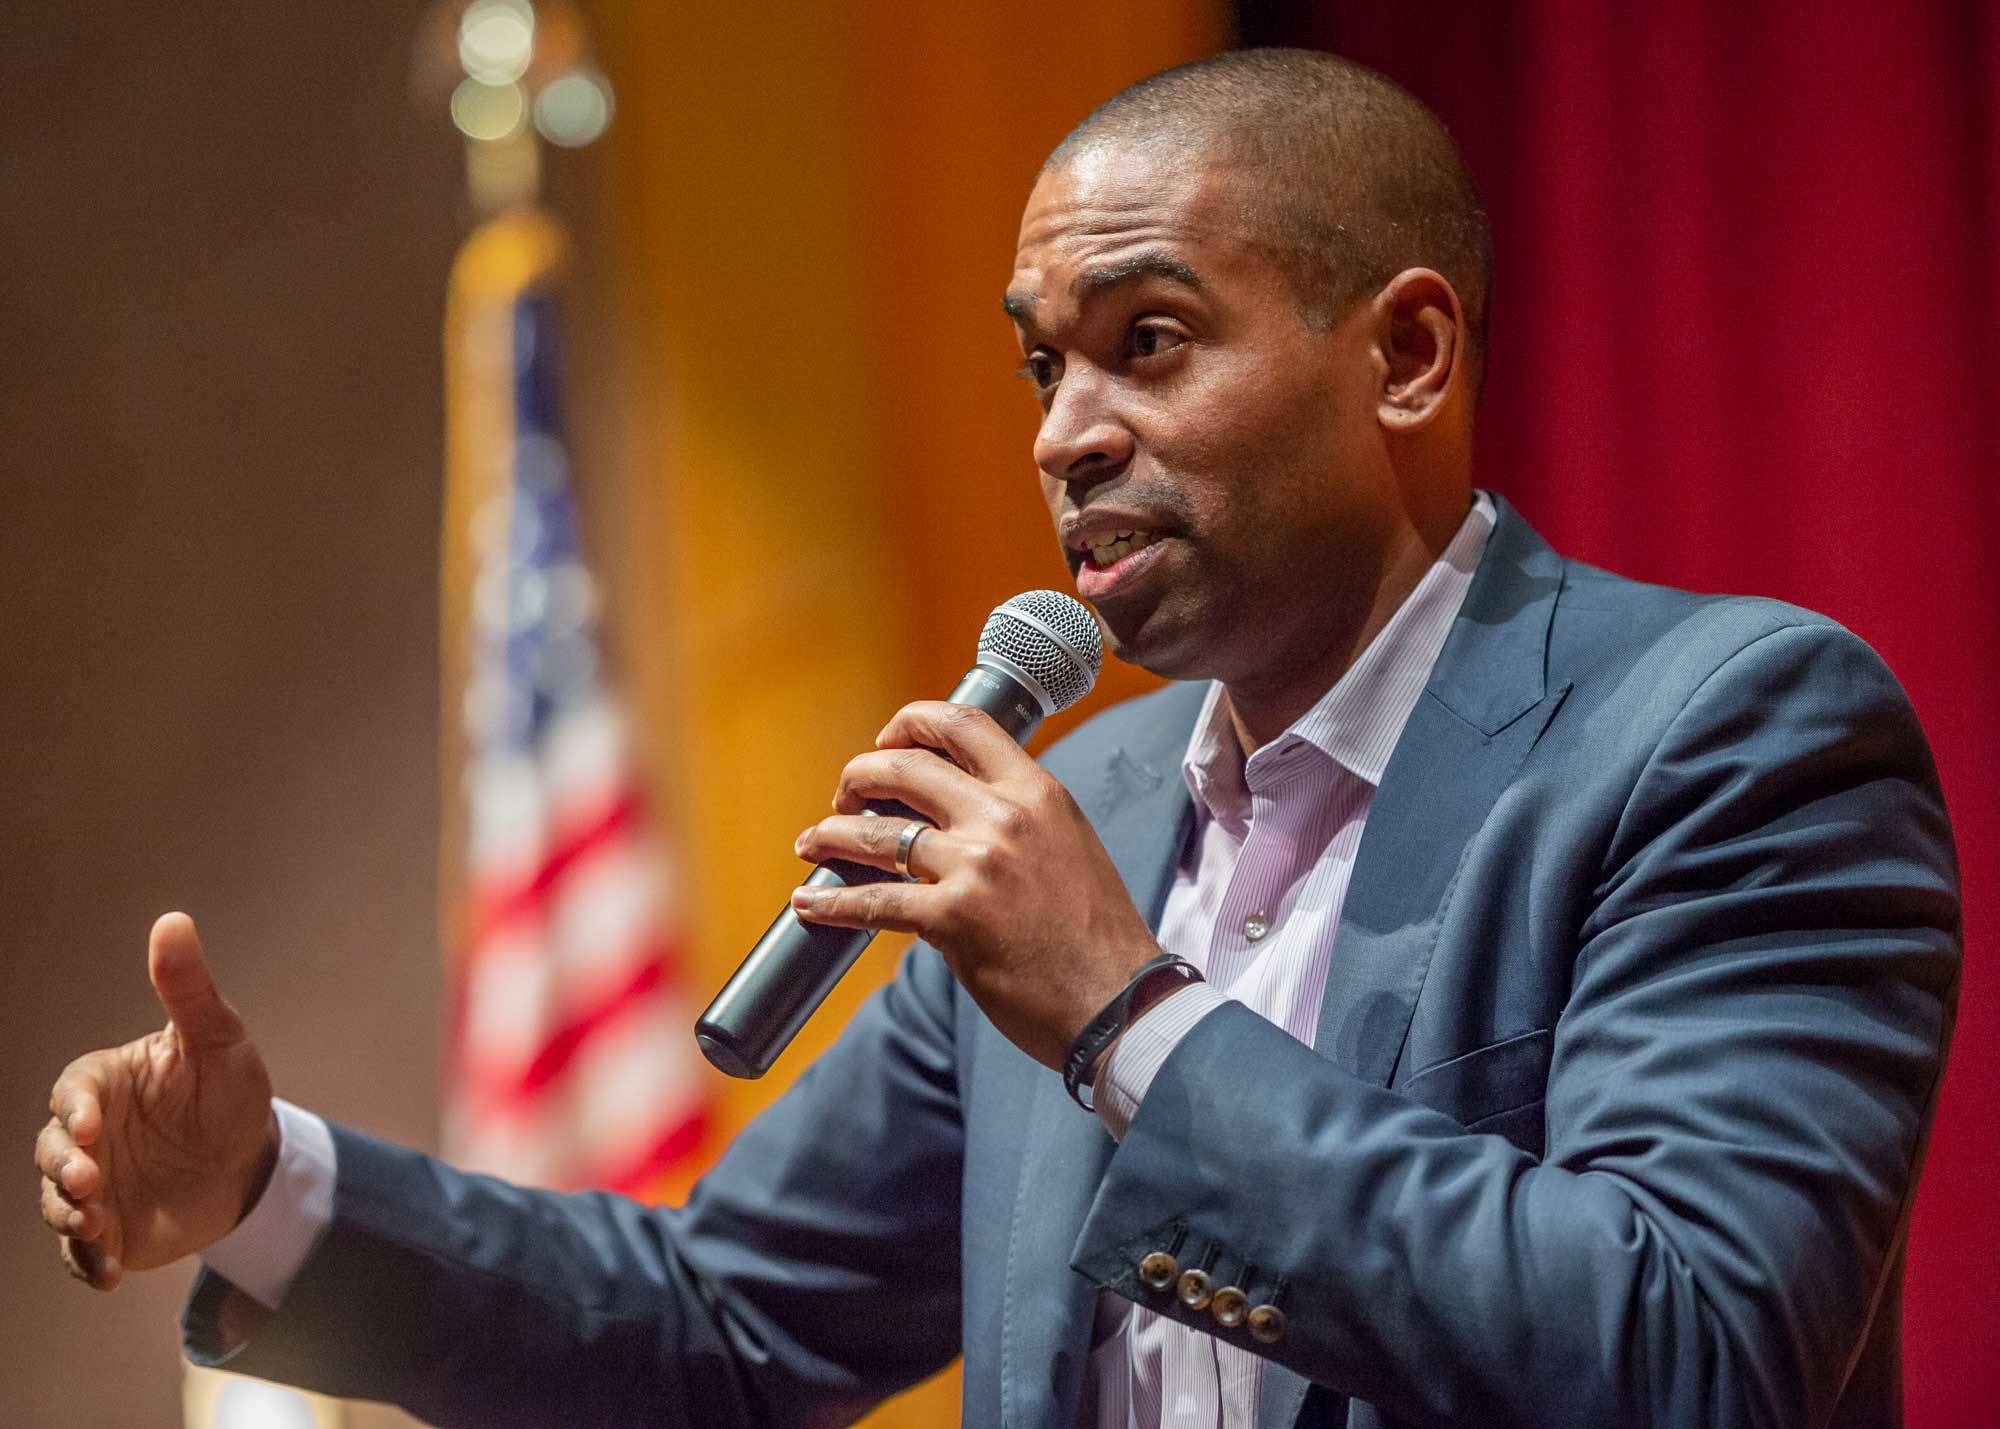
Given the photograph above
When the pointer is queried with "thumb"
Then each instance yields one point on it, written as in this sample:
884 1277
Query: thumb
180 978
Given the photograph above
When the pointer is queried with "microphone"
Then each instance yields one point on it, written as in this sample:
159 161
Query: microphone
1039 653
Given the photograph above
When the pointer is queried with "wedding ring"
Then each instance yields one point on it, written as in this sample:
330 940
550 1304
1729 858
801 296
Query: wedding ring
905 845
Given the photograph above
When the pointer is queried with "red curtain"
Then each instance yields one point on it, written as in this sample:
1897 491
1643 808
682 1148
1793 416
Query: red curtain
1746 326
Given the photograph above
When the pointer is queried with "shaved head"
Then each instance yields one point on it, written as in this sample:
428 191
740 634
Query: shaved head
1346 177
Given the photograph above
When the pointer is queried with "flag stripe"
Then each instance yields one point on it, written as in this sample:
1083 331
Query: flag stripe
561 1048
675 1144
502 903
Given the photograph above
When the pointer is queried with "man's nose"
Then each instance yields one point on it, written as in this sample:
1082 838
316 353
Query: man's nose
1081 438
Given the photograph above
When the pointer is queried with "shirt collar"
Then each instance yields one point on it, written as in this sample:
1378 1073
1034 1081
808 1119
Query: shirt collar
1358 721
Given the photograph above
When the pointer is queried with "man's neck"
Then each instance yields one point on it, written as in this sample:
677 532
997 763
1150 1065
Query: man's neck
1262 709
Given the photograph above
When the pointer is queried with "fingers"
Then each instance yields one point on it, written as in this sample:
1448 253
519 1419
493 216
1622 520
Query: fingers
70 1179
936 788
860 838
59 1212
975 743
180 978
52 1148
70 1217
77 1101
891 907
58 1159
91 1263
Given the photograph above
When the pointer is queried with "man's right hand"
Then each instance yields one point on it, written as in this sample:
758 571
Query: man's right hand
156 1149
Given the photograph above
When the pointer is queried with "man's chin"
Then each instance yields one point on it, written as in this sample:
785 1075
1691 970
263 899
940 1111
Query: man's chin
1159 645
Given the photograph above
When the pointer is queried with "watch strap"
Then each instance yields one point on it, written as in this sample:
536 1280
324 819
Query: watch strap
1150 981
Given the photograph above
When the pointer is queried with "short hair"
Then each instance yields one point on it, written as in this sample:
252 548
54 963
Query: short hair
1352 179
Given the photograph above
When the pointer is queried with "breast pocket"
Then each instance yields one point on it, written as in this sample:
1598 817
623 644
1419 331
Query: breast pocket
1499 1088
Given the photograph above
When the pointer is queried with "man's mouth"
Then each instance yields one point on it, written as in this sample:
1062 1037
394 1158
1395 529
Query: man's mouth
1108 549
1119 564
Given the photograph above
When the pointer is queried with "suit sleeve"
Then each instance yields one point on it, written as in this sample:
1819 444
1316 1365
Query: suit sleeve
813 1272
1740 1085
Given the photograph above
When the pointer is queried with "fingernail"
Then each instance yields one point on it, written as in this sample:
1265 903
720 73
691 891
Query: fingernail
799 843
805 900
76 1220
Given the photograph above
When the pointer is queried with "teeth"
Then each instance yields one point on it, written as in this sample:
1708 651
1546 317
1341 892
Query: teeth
1114 546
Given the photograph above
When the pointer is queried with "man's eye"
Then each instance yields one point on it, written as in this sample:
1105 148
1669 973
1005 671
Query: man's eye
1040 369
1152 339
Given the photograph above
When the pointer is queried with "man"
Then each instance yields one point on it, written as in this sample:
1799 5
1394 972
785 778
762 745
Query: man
1579 956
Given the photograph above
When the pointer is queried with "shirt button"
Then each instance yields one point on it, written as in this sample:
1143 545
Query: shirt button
1256 926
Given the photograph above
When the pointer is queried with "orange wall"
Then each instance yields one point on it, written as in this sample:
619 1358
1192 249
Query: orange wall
824 480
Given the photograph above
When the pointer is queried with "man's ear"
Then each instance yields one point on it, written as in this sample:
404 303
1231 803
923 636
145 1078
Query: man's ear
1421 334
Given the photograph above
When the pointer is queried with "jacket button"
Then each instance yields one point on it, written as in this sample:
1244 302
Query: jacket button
1229 1307
1267 1324
1195 1289
1157 1271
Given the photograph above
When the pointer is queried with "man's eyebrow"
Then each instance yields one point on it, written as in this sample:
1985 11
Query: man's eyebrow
1143 265
1021 306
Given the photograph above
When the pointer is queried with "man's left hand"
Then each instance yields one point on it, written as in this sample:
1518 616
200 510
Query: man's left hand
1018 894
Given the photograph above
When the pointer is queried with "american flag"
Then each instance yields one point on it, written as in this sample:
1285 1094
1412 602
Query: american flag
570 1061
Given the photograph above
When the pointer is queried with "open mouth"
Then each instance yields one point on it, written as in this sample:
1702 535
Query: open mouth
1109 549
1120 563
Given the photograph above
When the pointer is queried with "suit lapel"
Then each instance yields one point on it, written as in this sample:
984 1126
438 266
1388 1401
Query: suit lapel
1139 804
1484 707
1137 800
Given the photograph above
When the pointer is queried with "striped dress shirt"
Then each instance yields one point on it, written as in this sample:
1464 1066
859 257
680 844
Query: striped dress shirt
1255 904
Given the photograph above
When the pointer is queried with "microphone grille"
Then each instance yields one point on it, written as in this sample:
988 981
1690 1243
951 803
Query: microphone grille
1052 638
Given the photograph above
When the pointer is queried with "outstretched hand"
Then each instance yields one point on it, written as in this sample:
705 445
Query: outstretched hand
156 1149
1017 891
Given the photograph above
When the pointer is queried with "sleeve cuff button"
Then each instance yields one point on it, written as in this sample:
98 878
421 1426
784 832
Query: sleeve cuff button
1157 1271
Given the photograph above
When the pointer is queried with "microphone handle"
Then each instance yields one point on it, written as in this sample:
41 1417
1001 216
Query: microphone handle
795 964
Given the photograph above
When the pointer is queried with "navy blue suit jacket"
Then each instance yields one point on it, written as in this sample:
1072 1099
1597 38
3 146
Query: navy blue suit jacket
1638 1009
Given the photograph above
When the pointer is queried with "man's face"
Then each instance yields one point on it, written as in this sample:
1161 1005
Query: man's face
1185 399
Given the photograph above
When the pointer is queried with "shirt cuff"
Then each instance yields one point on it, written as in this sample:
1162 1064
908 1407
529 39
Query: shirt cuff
263 1255
1142 1049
